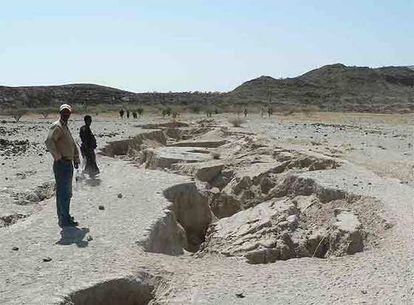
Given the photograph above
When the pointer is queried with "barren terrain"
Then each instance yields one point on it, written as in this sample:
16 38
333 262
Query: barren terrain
333 87
310 208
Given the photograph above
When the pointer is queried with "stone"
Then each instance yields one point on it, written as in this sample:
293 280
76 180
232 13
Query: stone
209 171
203 171
346 234
165 157
240 295
254 233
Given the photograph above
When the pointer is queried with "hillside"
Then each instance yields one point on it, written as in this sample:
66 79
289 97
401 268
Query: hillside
335 87
90 94
331 87
36 96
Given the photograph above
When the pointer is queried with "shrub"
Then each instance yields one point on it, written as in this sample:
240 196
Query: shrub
17 114
45 112
166 112
237 121
195 109
175 114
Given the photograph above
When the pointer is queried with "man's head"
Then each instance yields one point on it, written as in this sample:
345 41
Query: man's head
88 120
65 112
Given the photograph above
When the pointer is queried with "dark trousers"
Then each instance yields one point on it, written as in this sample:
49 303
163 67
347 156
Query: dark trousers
63 171
89 155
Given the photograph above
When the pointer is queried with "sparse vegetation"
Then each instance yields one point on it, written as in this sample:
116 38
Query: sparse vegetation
45 112
175 114
166 112
195 109
236 121
17 114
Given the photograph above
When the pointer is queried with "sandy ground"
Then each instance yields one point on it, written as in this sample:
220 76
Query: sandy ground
377 151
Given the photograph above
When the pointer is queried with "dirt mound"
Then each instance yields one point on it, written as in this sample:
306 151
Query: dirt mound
249 182
134 145
163 125
300 224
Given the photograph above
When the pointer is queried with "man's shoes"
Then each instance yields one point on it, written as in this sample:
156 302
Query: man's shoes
72 222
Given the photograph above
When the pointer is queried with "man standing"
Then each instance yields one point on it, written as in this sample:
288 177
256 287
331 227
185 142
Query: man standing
88 146
65 154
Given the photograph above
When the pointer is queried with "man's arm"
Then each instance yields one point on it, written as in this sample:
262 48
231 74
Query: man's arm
53 136
93 140
76 160
82 134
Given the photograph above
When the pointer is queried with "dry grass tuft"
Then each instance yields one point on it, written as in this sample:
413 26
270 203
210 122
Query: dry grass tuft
236 122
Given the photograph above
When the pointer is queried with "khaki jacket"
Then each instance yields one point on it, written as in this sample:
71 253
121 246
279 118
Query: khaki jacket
60 142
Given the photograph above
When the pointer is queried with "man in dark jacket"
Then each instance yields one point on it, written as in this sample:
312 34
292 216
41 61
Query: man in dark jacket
88 147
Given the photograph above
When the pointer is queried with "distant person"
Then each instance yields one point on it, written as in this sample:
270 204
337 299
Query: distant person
127 114
88 147
121 113
134 114
270 111
65 154
245 112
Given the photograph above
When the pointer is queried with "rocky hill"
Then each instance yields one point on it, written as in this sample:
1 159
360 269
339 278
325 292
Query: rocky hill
90 94
331 87
335 87
40 96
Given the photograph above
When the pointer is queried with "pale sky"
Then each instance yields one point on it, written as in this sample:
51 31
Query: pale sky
195 45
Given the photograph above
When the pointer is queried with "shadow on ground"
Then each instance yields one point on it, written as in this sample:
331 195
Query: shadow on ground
73 235
93 181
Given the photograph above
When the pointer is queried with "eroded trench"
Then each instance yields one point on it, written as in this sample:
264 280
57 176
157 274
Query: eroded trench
249 199
137 290
29 197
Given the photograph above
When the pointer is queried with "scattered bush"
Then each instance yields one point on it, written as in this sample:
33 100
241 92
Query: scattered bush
166 112
45 112
236 122
175 114
17 114
195 109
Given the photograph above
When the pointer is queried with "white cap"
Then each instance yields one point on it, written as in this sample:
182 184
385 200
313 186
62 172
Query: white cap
65 106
